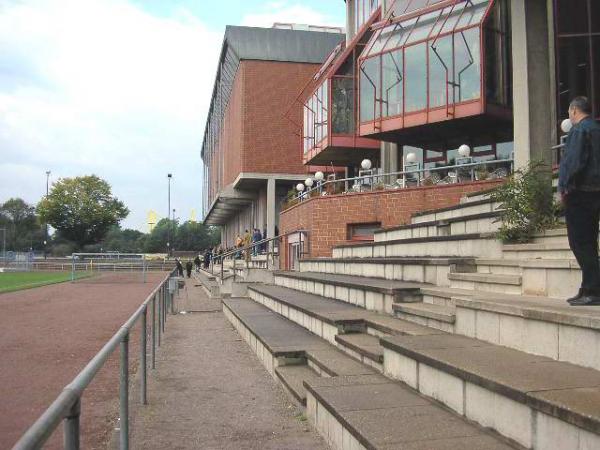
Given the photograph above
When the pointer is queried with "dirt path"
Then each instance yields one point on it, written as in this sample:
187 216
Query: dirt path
209 391
47 335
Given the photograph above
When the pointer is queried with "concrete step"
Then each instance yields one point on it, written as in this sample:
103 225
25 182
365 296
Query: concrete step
351 411
475 223
443 296
488 282
554 236
481 245
331 362
418 270
293 377
373 412
362 347
533 400
462 209
537 251
374 294
439 317
476 196
327 317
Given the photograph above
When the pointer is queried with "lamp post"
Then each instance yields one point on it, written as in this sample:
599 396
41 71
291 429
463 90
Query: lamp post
46 225
3 244
169 176
173 248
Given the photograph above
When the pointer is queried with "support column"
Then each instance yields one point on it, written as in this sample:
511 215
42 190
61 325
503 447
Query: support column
389 160
271 208
350 21
532 87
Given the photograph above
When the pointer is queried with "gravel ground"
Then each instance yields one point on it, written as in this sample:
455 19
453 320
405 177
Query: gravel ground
209 391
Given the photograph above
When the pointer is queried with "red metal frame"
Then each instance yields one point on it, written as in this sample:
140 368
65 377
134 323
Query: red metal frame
429 114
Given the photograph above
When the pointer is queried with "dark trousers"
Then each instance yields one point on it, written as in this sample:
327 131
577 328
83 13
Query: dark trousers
582 211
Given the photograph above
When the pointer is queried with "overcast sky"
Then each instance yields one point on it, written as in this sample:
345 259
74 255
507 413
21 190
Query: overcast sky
119 89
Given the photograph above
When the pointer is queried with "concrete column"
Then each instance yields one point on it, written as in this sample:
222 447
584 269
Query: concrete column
271 208
350 20
389 159
532 86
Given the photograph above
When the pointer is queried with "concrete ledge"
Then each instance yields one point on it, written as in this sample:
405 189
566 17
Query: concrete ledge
437 312
466 374
442 222
364 344
453 208
514 280
453 238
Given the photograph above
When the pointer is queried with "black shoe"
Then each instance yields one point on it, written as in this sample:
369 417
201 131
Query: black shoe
586 300
576 297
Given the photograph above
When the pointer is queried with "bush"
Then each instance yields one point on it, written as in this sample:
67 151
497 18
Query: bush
527 202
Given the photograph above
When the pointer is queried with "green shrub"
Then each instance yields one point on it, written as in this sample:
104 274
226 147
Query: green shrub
527 202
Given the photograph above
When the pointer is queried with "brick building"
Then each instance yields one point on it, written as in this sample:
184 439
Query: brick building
251 149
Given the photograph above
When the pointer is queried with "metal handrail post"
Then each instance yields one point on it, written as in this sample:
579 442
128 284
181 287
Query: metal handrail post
71 427
172 301
124 393
143 364
153 357
163 308
159 318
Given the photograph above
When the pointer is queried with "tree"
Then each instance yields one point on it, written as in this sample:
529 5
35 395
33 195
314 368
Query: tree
82 209
23 229
124 241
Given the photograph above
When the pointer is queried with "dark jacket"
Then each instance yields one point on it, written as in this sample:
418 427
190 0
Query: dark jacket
580 164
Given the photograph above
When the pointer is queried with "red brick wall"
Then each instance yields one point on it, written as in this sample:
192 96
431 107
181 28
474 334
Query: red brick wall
327 218
271 141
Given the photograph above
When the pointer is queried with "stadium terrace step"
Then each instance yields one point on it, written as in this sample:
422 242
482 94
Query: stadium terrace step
439 295
327 317
469 208
332 362
533 400
481 245
373 412
439 317
374 294
475 223
537 251
362 347
293 377
209 283
489 282
418 270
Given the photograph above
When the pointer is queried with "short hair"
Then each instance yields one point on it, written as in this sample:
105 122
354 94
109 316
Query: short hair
582 104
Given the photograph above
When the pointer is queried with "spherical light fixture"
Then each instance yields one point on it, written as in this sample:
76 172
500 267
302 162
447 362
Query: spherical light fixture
299 187
411 157
464 150
366 164
566 125
309 182
319 176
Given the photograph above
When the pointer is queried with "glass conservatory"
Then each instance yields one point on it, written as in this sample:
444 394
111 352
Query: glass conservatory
330 113
437 68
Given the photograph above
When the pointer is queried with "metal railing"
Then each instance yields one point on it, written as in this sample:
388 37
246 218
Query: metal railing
67 406
271 251
475 171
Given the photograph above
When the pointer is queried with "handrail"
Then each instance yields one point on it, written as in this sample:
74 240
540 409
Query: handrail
67 405
247 248
402 174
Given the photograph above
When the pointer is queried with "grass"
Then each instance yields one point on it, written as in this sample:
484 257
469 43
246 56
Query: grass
16 281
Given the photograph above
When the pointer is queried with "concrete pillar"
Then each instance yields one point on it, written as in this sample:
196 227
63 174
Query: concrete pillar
271 208
389 159
532 83
350 21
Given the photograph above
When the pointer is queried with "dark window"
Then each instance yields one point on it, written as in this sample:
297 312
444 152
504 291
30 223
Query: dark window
342 113
362 231
573 15
498 56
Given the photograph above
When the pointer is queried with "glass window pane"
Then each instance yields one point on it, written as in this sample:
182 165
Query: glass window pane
575 71
392 85
472 14
440 72
423 27
595 6
572 16
342 113
467 65
369 89
415 77
504 150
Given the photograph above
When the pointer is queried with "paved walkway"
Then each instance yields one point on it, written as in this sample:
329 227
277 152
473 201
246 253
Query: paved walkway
209 391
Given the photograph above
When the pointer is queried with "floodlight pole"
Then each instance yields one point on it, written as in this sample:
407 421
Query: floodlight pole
3 244
169 176
46 225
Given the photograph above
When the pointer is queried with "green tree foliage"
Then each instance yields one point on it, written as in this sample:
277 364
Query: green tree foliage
188 236
82 209
23 228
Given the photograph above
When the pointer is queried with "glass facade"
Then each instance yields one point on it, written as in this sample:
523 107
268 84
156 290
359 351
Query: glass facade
423 62
316 117
363 9
577 53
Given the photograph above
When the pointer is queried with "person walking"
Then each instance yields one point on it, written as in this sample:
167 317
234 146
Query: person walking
179 267
579 187
197 263
256 237
246 243
188 268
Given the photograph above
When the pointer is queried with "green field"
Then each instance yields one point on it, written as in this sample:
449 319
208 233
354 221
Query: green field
15 281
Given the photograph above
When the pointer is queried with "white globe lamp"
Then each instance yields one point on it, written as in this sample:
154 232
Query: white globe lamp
366 164
411 157
319 176
299 187
309 182
464 150
566 125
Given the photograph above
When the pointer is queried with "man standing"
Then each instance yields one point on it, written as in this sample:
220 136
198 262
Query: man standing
579 187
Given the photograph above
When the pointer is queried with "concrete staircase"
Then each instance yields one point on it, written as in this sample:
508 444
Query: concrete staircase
441 310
